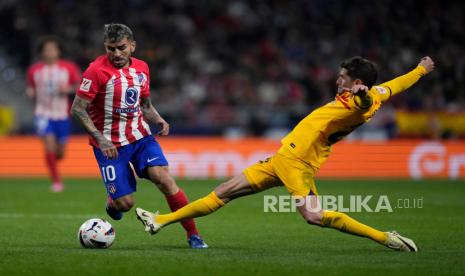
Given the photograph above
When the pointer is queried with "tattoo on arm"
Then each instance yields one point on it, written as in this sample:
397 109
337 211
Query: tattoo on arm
79 111
149 111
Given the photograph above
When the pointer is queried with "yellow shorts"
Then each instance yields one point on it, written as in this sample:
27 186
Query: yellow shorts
282 170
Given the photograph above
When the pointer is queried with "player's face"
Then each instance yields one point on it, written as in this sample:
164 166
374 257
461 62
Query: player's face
50 52
119 52
344 82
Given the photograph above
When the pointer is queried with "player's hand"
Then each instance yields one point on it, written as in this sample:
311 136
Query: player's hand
30 92
163 126
359 89
108 149
427 63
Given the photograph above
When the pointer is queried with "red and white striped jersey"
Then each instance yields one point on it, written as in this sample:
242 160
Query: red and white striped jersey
115 99
46 80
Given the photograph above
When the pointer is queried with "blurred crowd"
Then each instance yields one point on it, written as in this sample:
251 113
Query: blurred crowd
237 67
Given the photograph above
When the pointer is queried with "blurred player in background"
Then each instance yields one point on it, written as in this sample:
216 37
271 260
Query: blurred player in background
305 149
113 104
50 81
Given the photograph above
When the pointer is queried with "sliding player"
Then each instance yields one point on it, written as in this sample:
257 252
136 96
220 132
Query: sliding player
305 149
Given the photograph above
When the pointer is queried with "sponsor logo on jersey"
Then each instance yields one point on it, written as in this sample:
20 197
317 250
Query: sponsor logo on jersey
127 110
85 84
131 96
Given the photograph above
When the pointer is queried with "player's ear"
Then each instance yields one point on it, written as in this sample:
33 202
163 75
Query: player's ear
358 82
133 46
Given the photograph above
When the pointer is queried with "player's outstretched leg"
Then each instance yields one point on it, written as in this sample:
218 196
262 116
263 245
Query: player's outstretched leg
153 222
176 199
400 243
344 223
236 187
148 220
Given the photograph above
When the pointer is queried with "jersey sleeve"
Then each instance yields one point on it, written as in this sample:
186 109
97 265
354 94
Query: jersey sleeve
383 92
145 85
89 86
403 82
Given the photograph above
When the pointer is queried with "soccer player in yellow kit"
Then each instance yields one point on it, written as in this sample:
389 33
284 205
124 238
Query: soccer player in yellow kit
305 149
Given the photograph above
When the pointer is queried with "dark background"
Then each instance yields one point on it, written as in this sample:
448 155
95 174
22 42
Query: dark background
248 67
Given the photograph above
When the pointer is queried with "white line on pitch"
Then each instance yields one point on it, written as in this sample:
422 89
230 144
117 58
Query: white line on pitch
46 216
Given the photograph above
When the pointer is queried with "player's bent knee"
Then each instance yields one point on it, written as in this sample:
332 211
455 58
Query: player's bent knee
124 205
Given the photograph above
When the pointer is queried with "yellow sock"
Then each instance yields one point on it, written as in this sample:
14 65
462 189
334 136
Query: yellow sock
198 208
344 223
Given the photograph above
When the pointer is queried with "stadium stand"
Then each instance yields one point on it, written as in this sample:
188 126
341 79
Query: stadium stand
254 68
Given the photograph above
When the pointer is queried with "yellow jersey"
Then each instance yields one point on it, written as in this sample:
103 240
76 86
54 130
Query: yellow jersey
311 140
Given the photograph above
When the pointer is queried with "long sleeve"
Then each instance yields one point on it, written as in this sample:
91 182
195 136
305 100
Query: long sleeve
403 82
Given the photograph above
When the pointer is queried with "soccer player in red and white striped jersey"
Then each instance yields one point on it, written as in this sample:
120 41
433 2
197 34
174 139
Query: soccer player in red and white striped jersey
113 104
113 96
49 83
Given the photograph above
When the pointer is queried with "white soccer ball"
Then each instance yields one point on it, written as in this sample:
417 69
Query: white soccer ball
96 233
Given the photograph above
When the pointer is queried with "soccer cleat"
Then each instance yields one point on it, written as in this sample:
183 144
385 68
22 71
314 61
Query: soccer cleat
148 220
57 187
399 243
196 242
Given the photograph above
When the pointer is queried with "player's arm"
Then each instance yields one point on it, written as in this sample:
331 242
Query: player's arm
30 92
79 111
151 115
86 93
30 88
404 82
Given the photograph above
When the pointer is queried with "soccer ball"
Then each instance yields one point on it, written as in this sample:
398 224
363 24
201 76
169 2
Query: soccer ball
96 233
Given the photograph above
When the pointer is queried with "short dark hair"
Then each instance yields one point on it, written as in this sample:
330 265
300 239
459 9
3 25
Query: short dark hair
115 32
360 68
47 39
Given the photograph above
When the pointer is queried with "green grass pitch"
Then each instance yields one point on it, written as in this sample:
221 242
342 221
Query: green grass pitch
38 233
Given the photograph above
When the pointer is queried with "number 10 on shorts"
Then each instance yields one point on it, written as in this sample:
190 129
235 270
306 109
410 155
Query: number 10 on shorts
108 173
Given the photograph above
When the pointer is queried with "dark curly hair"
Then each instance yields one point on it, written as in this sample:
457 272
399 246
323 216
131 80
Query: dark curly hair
360 68
115 32
47 39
